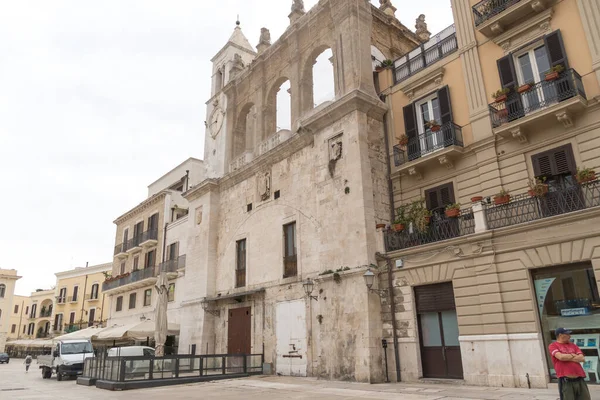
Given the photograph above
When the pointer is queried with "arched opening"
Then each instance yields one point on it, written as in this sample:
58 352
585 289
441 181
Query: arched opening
31 329
377 57
244 129
278 113
323 78
218 80
46 308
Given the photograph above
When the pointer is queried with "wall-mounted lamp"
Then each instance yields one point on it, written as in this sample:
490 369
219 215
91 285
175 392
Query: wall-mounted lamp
309 286
369 280
204 305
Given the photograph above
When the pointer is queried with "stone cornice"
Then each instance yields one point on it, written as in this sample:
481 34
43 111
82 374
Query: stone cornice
144 205
520 35
94 269
208 185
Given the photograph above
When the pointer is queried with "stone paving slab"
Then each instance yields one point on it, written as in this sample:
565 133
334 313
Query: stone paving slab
15 384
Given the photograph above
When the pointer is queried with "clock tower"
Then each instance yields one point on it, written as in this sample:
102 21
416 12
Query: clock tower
215 140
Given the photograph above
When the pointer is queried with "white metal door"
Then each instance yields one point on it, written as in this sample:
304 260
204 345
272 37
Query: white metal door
290 320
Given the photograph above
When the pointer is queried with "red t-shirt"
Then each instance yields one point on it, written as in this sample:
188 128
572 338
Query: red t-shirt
566 368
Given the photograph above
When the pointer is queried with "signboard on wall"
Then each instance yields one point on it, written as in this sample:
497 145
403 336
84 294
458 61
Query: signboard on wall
541 290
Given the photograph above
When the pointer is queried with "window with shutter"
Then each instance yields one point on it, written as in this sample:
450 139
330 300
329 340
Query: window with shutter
439 197
506 70
443 96
556 49
555 162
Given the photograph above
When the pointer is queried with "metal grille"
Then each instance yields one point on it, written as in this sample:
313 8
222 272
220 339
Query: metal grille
240 277
436 48
290 266
440 228
541 95
487 9
449 134
559 200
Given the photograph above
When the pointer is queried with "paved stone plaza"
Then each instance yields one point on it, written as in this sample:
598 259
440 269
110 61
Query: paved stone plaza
15 384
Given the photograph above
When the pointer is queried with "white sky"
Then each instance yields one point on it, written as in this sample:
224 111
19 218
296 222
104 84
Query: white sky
100 98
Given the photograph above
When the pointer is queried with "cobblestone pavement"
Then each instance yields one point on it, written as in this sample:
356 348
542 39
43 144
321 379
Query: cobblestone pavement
15 384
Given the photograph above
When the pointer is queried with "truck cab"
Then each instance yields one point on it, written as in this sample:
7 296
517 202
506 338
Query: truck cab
67 358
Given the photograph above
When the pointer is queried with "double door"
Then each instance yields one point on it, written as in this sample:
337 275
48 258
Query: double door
438 331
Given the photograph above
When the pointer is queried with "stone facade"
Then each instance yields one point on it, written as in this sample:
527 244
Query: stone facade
8 279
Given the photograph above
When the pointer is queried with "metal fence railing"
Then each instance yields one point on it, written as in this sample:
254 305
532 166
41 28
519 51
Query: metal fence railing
449 134
486 9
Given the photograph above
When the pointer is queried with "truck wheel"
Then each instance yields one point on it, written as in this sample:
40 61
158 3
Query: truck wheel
47 373
44 373
59 376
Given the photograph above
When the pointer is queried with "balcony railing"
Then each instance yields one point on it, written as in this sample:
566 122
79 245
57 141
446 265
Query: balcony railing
91 297
436 48
440 228
46 314
148 235
132 277
172 265
72 299
290 266
559 200
450 134
61 300
487 9
120 248
240 278
541 95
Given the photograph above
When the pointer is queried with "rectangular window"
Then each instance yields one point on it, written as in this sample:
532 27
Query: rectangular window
95 288
173 251
132 298
153 222
240 267
62 296
75 292
171 292
119 303
122 271
150 259
24 328
16 309
290 262
136 262
27 310
437 198
13 328
147 297
71 318
125 235
138 229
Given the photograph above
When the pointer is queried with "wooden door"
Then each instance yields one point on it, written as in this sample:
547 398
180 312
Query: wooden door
438 331
239 332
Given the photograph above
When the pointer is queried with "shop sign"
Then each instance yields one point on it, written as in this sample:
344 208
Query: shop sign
573 312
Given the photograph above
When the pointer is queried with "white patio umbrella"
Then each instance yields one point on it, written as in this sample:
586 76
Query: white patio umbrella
161 323
137 330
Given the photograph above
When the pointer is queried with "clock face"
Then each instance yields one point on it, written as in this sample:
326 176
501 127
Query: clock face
216 122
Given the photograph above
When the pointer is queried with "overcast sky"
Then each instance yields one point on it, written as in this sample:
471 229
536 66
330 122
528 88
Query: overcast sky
100 98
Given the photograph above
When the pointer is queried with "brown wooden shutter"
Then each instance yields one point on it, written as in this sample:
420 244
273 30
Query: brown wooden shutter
445 105
410 121
432 298
439 197
556 49
431 199
558 161
506 70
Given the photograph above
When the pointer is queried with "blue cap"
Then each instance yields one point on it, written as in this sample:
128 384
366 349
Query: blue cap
562 331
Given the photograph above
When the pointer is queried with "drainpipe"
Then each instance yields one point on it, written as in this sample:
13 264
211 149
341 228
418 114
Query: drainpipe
83 298
20 320
102 309
164 243
386 139
393 310
187 179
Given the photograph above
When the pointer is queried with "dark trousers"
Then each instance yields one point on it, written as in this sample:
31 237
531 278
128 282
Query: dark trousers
27 367
573 389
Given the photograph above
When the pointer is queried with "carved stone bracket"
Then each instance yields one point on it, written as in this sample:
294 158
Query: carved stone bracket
565 118
497 28
446 161
413 171
518 134
531 29
538 6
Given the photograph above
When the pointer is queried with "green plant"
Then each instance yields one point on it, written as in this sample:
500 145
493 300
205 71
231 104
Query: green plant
500 92
326 272
403 140
557 68
431 123
387 63
347 190
502 193
419 214
401 214
585 174
347 269
336 277
453 206
537 186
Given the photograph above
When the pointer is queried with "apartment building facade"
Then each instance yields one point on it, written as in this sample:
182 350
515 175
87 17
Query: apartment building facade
38 315
79 299
494 239
149 239
8 279
19 317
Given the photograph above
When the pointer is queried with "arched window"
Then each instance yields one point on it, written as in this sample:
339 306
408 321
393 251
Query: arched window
244 130
219 80
94 295
31 329
33 311
278 113
323 78
2 290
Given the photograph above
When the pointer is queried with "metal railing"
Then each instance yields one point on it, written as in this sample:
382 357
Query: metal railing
487 9
61 299
120 248
240 278
151 234
436 48
541 95
449 134
146 273
91 297
440 228
524 208
172 265
290 266
45 313
72 299
145 368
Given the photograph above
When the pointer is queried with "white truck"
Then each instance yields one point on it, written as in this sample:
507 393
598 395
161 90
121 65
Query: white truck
67 358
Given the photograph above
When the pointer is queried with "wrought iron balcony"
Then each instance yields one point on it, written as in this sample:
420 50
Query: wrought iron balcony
493 17
121 250
148 238
449 134
128 278
486 9
524 208
540 96
440 228
290 266
45 313
436 48
172 266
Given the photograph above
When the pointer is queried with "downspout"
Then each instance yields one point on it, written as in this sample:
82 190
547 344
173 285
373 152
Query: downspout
164 243
393 310
83 298
102 309
386 139
187 179
20 320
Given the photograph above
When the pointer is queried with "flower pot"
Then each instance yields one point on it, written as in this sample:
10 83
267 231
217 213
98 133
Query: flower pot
590 178
524 88
379 226
398 227
501 99
403 142
552 76
541 191
452 213
436 128
379 69
476 199
498 200
502 113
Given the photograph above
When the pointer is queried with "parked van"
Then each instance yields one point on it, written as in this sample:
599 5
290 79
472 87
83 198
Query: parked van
131 351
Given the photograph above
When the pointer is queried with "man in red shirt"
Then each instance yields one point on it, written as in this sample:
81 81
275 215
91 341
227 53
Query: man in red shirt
566 357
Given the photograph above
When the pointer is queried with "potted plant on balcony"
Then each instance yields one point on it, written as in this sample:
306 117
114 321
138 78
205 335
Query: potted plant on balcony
401 218
585 175
538 187
553 73
419 215
433 125
476 199
501 95
384 65
502 197
403 140
526 87
453 210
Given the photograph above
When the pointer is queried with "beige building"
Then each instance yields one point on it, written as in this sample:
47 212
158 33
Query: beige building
149 239
477 293
37 320
8 279
79 299
19 317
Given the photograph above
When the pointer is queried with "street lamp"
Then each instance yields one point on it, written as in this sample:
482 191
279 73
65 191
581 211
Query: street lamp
309 286
369 280
204 305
